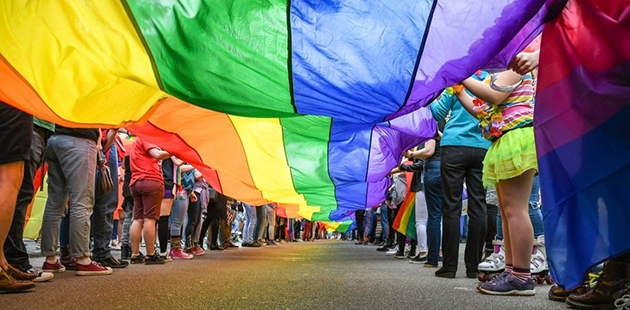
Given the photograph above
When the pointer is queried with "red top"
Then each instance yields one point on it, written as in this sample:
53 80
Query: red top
143 165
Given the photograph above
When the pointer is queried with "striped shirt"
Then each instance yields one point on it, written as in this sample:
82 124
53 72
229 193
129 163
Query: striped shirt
516 111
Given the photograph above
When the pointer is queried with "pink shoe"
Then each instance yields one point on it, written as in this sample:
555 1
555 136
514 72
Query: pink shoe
93 269
57 267
179 254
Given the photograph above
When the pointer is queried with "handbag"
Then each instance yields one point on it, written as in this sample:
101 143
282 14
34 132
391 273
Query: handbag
104 182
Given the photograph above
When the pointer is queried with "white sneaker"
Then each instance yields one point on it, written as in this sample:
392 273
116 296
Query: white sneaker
42 276
392 251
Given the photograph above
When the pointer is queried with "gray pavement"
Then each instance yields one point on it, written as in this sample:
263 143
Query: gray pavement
319 275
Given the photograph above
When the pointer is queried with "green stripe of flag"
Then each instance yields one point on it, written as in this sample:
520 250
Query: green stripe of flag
226 55
306 144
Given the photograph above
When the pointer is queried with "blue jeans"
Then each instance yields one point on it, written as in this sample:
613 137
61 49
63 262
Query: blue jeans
250 223
178 214
384 222
71 176
433 194
535 214
103 215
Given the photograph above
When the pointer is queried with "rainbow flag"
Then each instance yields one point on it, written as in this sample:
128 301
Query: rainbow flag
298 102
583 136
405 222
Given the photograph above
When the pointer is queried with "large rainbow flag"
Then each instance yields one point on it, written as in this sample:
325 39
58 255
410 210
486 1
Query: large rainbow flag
305 103
583 135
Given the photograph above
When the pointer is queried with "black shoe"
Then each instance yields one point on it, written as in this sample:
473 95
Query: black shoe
112 262
216 247
472 274
418 259
125 252
384 248
156 259
443 273
399 255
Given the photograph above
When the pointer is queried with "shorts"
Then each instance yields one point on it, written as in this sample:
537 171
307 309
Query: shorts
510 156
147 198
16 134
168 193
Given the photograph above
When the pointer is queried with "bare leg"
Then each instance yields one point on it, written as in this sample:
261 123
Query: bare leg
514 195
11 175
135 234
506 232
148 232
165 207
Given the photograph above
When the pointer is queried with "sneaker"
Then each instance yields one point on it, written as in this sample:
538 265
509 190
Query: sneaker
384 248
115 245
443 273
166 258
41 276
9 284
216 247
68 262
195 251
57 267
179 254
155 259
509 285
429 265
92 269
112 262
232 245
271 242
392 252
418 259
252 245
399 255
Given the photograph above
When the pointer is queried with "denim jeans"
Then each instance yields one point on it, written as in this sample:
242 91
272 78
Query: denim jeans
433 194
71 176
261 224
103 215
178 214
14 248
384 221
535 214
270 213
194 221
250 223
128 207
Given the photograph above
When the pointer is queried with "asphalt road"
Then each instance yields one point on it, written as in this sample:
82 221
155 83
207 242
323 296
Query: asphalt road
319 275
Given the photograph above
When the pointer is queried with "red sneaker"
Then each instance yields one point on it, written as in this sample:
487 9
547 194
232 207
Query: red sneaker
93 269
199 251
179 254
195 251
57 267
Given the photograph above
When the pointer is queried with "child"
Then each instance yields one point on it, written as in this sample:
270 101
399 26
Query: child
507 120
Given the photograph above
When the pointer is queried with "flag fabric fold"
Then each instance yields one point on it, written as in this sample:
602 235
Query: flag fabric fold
307 103
582 136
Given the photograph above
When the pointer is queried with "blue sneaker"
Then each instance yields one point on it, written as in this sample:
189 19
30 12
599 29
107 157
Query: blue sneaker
509 285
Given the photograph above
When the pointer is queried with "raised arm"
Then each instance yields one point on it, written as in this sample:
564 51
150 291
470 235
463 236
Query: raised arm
484 92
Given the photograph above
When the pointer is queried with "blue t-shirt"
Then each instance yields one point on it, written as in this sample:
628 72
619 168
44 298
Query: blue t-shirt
462 129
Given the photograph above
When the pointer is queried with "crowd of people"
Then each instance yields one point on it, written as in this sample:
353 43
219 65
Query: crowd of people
485 146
